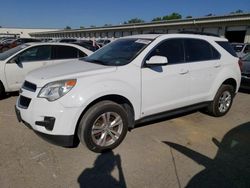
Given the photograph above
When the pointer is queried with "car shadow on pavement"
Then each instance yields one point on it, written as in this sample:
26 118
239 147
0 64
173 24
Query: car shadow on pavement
8 95
231 165
100 174
246 91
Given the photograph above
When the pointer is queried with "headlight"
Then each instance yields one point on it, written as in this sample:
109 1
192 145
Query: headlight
55 90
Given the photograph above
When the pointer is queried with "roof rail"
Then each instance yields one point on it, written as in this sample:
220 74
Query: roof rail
199 33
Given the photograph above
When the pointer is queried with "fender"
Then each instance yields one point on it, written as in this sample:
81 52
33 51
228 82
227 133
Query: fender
226 73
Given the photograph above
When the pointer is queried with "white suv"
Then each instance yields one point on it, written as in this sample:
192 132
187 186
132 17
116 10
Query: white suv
131 80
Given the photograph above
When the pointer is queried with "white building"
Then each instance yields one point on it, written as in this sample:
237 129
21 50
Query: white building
20 32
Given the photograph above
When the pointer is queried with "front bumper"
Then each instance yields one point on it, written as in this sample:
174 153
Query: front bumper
60 140
50 120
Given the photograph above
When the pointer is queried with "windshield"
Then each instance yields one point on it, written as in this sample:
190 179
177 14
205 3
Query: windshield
119 52
246 57
12 51
237 47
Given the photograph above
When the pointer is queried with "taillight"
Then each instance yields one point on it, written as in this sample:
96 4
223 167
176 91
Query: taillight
240 62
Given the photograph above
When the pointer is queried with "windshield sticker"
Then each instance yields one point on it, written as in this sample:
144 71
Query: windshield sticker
143 41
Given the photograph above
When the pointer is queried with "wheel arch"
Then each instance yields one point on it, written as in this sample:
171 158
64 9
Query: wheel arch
117 99
232 82
2 87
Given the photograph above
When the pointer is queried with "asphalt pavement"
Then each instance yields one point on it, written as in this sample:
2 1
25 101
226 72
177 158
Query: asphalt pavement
190 150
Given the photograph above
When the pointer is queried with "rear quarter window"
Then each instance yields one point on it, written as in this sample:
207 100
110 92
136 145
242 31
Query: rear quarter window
227 47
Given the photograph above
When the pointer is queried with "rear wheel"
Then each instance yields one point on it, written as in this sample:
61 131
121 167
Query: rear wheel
103 126
222 102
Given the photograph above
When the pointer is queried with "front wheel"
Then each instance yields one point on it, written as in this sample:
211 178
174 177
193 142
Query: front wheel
103 126
222 102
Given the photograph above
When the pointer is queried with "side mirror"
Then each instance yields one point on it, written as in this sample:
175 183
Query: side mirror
157 60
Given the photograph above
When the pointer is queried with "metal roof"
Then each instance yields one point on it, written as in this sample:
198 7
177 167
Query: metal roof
177 22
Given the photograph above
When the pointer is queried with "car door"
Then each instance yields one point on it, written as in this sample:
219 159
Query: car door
24 62
204 64
165 87
63 54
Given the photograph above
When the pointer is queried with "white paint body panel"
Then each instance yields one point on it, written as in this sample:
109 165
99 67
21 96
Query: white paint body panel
149 90
13 75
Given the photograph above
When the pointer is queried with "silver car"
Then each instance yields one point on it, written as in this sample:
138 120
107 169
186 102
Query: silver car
245 75
241 49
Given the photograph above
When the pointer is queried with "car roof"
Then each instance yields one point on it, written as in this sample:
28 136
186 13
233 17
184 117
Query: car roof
58 44
154 36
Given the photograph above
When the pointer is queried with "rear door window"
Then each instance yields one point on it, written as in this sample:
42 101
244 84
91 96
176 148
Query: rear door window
199 50
64 52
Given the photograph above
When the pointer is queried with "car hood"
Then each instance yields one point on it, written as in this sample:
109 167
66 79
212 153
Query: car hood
69 70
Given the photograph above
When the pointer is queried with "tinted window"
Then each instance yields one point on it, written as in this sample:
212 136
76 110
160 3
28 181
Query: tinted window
247 49
81 54
36 54
227 47
172 49
12 51
68 40
237 47
246 57
64 52
199 50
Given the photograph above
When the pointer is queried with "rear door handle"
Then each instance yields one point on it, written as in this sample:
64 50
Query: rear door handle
184 71
217 65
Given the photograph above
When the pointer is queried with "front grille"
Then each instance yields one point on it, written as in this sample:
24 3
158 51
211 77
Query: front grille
24 102
29 86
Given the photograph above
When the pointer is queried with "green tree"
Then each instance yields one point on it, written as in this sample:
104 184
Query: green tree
82 27
210 14
134 20
157 19
189 17
107 25
67 28
172 16
239 11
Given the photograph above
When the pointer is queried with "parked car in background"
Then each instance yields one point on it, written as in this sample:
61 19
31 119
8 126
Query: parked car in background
89 44
6 40
245 75
16 42
133 79
103 42
241 49
67 40
17 62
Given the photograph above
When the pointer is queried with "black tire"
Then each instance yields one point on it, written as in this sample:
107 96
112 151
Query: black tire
2 91
219 107
93 118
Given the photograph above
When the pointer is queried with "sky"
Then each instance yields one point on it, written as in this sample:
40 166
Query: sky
76 13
